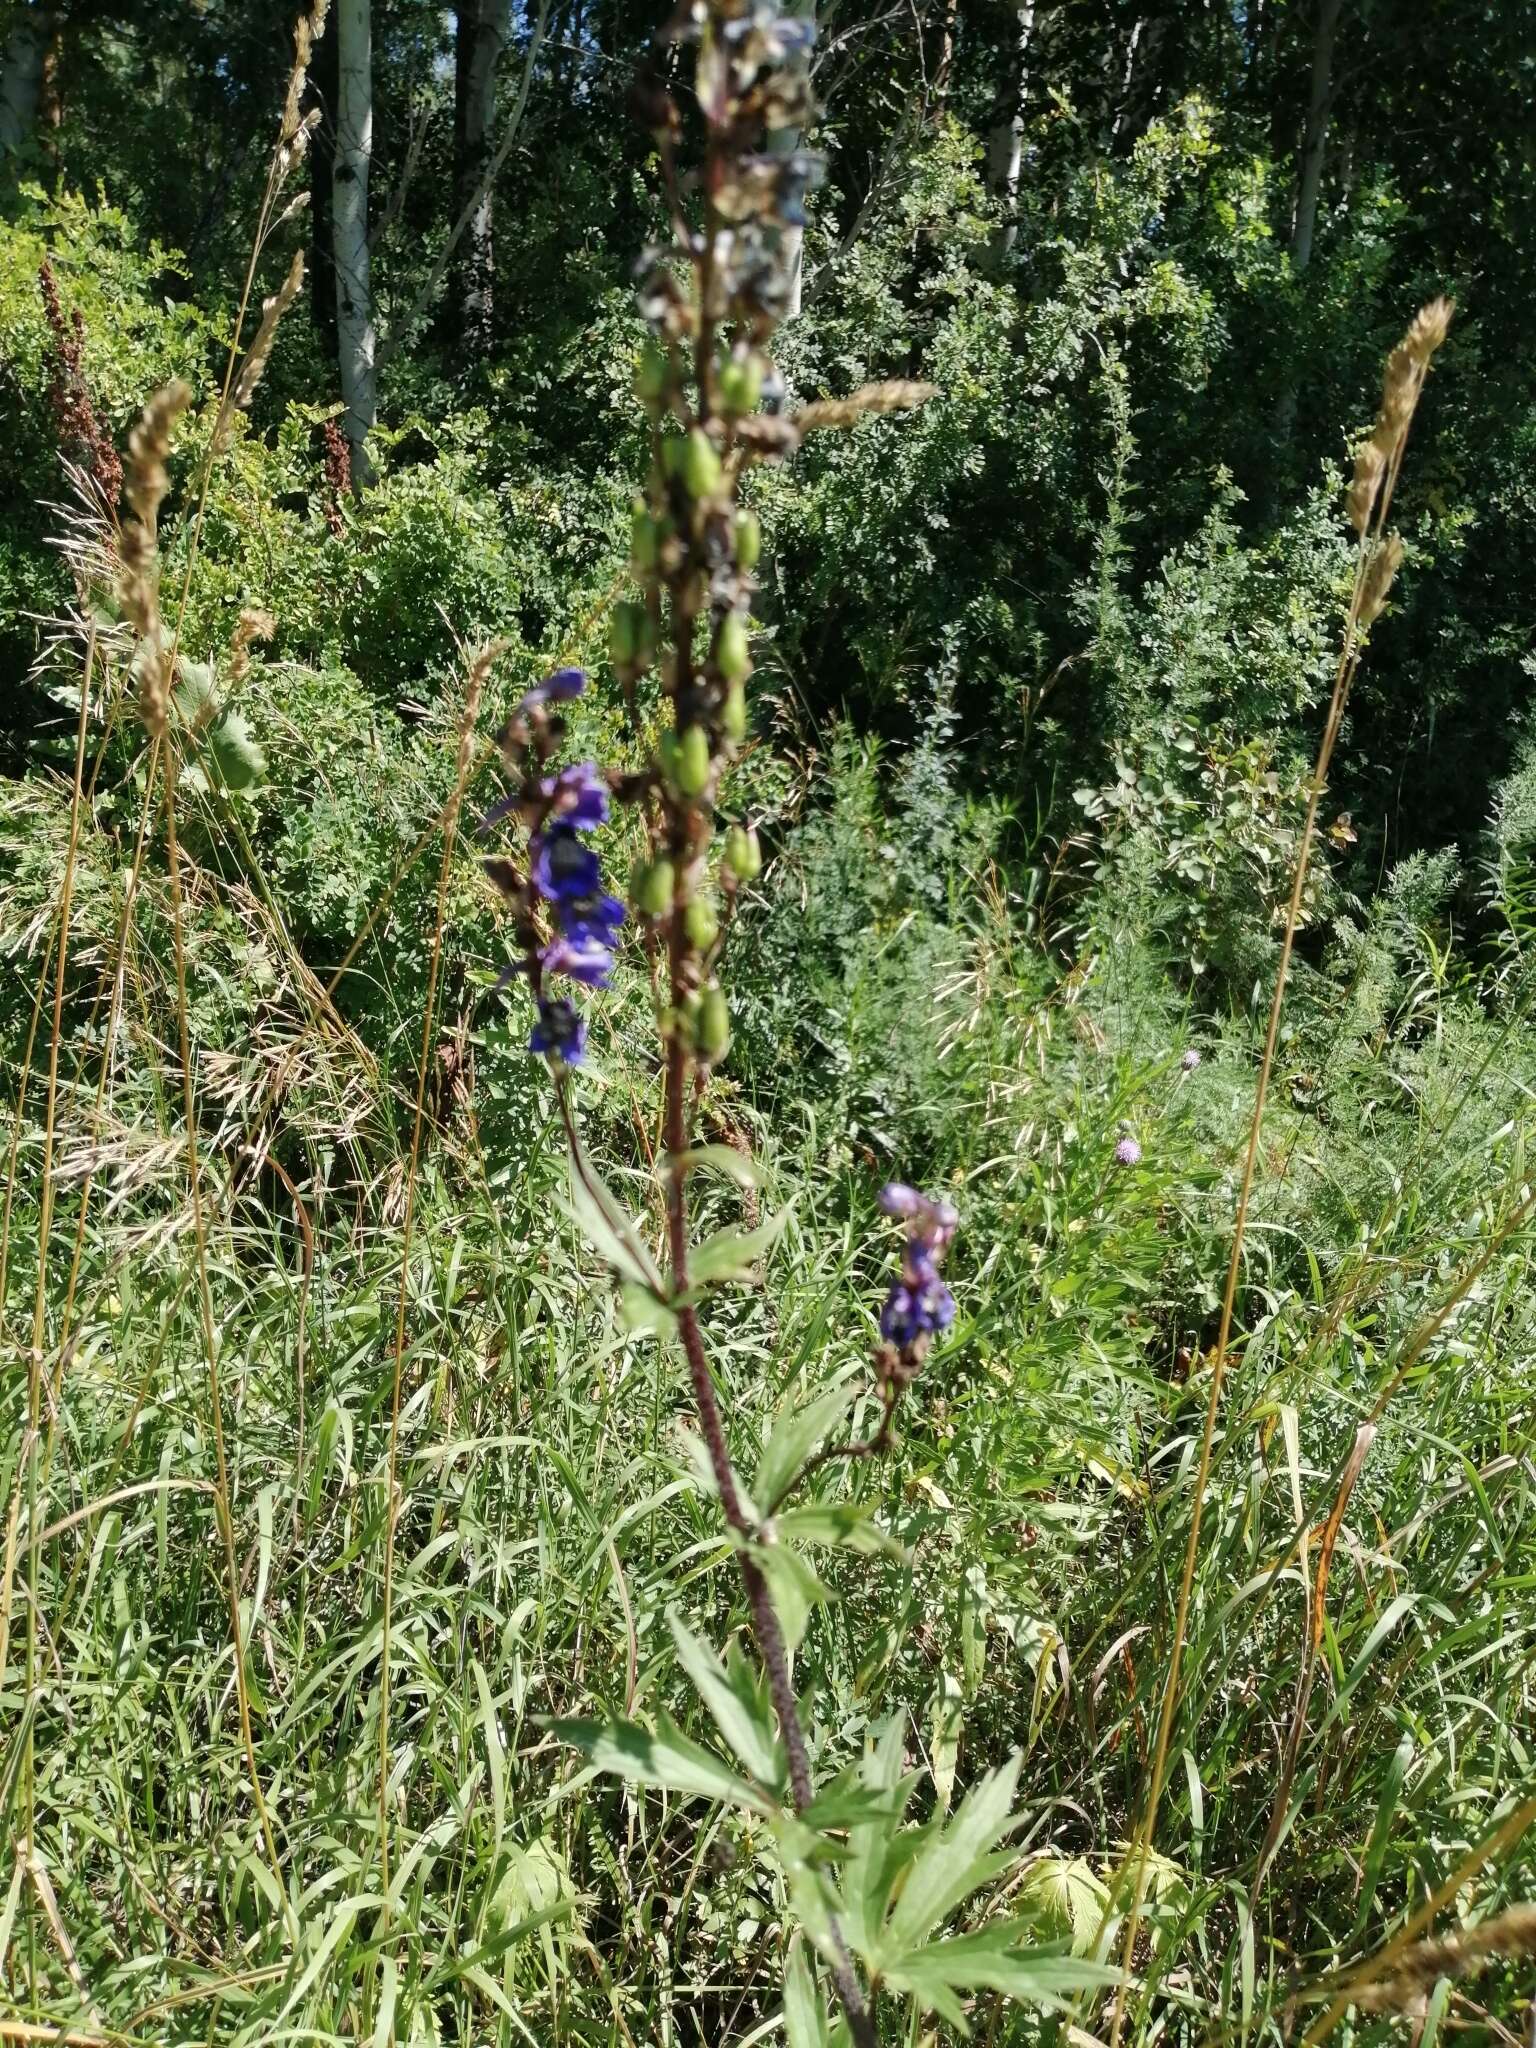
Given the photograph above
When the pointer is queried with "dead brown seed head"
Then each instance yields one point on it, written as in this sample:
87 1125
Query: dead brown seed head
1380 571
1370 467
1428 329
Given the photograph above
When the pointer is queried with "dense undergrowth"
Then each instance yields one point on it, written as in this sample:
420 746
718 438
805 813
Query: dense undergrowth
979 978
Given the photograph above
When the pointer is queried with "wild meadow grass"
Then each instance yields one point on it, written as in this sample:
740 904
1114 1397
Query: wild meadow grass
350 1508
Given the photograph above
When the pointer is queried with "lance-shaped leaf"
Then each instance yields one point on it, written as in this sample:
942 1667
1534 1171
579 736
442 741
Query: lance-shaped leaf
662 1757
738 1703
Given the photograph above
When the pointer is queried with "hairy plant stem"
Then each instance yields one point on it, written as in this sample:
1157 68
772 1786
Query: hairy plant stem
766 1626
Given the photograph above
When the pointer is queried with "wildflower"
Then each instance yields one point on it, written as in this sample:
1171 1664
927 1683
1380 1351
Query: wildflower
560 1031
563 869
1191 1059
1128 1152
919 1305
578 794
585 958
558 688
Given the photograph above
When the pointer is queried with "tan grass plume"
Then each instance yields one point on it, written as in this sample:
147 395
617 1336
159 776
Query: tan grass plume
138 586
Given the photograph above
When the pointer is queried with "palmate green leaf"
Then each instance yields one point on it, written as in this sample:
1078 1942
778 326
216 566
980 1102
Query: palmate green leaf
664 1758
733 1254
737 1702
798 1429
235 753
1069 1899
991 1960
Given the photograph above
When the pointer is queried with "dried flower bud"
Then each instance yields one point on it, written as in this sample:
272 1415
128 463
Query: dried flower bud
701 922
733 658
1381 569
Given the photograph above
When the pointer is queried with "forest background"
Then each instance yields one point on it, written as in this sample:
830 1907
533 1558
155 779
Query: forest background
1041 669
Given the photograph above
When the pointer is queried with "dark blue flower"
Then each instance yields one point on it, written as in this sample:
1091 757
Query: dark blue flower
558 688
560 1031
592 919
579 796
564 869
585 958
912 1312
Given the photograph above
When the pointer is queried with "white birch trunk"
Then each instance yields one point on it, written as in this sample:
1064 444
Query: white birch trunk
1005 145
481 31
1314 144
355 337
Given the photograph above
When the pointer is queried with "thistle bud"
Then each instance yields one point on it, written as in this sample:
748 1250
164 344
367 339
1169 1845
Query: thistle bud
653 888
692 761
741 384
743 855
652 375
732 656
749 541
701 923
733 715
714 1026
700 464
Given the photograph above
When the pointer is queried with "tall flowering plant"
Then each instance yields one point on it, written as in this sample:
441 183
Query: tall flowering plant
712 296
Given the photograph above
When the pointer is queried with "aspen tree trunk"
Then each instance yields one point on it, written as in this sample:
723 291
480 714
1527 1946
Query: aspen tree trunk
1005 145
478 46
785 142
21 79
349 208
1314 146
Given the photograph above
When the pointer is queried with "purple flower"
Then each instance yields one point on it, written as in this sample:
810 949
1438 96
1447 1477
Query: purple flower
1191 1059
934 1222
563 869
1128 1152
913 1312
560 1031
558 688
592 920
578 794
584 958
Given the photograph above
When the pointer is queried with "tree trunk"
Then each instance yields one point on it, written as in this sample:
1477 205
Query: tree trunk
321 90
349 205
478 46
944 68
21 84
1309 180
785 142
1005 145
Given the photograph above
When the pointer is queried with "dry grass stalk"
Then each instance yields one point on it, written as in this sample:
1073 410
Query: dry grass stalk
307 31
250 372
1510 1934
896 394
138 586
253 624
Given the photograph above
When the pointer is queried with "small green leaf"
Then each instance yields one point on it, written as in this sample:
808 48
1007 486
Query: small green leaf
956 1858
238 759
843 1524
612 1231
736 1702
643 1311
794 1586
1070 1900
663 1757
732 1254
805 2016
990 1961
797 1429
194 693
737 1166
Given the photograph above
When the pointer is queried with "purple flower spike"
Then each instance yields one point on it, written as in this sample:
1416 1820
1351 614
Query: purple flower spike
897 1199
913 1312
564 684
1128 1152
585 959
1191 1060
579 795
592 920
919 1305
563 868
561 1031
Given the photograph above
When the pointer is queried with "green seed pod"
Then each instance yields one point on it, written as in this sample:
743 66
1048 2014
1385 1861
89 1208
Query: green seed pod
667 755
625 630
700 465
749 541
732 655
653 890
693 761
644 539
743 855
653 373
741 384
714 1030
701 923
733 714
672 450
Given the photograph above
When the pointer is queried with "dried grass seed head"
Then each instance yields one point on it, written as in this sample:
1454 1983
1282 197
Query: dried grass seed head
1370 467
1380 571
